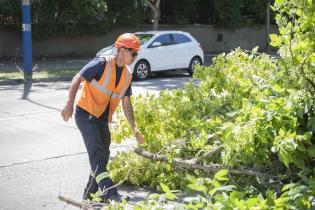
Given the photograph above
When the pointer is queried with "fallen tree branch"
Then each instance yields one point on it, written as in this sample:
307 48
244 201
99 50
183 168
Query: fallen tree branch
72 202
84 206
191 164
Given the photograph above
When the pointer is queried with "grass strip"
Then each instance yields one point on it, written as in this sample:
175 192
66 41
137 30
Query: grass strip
47 74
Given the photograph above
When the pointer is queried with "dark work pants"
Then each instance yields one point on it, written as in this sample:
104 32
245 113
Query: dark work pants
96 136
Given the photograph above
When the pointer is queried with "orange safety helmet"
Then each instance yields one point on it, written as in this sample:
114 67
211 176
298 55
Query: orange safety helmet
128 40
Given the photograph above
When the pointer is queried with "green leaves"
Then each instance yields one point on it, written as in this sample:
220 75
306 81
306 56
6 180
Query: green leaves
311 151
165 188
279 3
261 109
221 175
167 192
275 40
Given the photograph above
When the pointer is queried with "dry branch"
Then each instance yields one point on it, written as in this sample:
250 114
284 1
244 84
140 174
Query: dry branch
191 164
72 202
84 206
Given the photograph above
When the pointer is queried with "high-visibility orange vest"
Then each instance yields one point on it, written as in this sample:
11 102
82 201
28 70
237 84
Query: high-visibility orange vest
97 95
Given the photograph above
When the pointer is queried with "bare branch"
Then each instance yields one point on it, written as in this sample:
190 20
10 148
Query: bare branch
150 4
84 205
72 202
118 184
157 3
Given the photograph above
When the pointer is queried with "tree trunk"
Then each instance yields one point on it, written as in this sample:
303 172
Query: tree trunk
155 7
156 16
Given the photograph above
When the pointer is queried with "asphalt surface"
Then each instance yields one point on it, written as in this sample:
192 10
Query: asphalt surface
41 156
60 64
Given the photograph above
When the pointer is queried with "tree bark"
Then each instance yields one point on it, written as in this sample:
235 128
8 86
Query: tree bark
72 202
191 164
84 205
155 6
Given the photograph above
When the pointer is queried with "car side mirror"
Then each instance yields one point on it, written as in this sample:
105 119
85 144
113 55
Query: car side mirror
156 44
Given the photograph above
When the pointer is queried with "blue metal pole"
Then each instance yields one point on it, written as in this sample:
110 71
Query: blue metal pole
27 46
27 36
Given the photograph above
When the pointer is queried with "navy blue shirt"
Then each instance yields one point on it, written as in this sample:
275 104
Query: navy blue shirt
94 70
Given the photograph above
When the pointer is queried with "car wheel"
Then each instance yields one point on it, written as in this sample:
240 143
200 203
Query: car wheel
194 61
142 70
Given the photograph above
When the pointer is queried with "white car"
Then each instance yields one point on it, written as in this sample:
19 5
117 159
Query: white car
163 51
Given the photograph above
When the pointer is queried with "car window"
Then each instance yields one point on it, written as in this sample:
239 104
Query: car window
181 38
144 37
164 39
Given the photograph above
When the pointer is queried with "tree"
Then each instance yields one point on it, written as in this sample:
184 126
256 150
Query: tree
155 6
247 111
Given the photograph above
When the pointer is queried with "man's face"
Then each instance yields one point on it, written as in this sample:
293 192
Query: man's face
129 55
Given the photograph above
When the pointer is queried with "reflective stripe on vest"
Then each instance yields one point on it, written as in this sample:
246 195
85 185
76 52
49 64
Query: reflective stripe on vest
97 95
106 81
123 91
101 88
109 72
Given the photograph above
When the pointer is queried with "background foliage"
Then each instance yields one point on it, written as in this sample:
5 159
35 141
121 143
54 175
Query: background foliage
75 17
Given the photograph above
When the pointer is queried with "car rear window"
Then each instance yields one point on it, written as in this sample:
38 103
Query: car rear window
181 38
144 37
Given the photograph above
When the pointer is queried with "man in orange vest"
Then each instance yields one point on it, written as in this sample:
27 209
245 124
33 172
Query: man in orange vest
106 82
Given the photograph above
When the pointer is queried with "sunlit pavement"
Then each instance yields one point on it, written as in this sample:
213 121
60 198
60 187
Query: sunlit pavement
41 156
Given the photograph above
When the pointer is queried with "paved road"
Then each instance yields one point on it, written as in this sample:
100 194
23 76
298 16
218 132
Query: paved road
41 156
60 64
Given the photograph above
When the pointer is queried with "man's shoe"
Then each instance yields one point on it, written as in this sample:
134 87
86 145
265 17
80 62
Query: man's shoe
118 198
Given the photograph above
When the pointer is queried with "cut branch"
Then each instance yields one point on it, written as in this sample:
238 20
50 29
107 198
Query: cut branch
72 202
84 205
118 184
191 164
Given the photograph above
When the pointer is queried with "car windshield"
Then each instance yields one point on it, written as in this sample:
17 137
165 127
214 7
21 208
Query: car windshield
144 37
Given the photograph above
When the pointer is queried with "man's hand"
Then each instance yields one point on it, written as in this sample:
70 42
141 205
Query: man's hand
67 111
139 136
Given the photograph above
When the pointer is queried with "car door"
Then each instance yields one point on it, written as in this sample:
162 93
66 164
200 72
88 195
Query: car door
161 56
182 47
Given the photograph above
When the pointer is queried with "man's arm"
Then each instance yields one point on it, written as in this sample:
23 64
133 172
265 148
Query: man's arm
67 111
128 111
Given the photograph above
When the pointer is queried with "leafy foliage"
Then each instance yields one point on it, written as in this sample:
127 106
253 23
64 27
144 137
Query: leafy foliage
241 103
226 13
259 108
78 17
74 17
